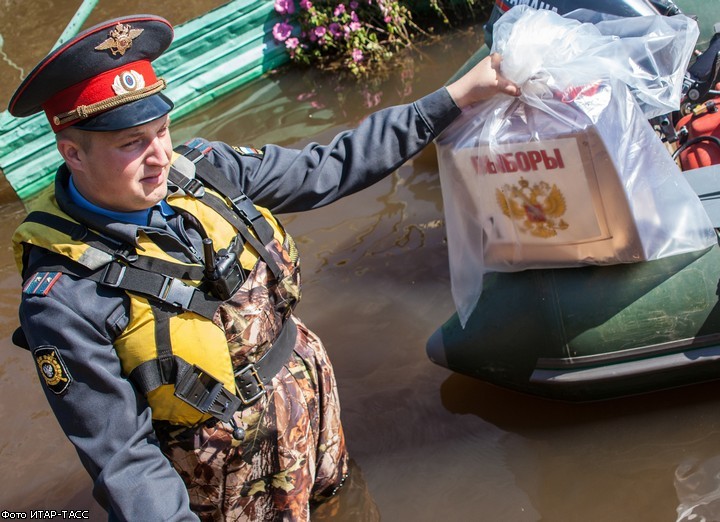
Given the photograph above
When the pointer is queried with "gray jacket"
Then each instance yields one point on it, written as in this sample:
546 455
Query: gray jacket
100 411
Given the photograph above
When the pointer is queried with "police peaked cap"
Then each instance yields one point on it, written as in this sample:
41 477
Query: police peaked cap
101 80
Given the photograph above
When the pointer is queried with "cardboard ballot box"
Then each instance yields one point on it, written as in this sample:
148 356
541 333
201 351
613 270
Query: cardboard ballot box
550 202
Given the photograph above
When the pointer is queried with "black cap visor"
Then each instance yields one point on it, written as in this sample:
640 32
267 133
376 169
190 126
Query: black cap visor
129 115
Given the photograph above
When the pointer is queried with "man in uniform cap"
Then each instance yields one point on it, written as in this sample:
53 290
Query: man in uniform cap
159 287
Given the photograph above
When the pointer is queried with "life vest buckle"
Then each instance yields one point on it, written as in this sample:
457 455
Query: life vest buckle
250 386
194 188
205 393
127 255
113 275
240 202
176 292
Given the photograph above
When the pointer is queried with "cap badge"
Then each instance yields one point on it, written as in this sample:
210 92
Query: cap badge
120 39
127 82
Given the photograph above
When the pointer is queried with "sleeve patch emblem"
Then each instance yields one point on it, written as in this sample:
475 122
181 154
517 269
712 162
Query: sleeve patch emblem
41 283
53 369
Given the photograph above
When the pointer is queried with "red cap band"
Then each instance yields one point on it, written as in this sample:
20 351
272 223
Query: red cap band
106 86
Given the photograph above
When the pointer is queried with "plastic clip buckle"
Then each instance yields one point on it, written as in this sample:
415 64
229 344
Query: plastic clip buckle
107 277
194 187
176 292
206 394
242 205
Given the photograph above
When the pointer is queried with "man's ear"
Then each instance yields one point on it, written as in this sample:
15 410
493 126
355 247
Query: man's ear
71 153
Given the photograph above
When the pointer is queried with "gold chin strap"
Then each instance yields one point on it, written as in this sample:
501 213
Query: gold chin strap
85 111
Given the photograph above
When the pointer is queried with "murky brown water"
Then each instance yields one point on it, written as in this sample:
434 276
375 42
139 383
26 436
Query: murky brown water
430 445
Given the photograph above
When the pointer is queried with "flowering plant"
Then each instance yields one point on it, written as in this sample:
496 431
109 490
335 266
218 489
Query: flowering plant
358 36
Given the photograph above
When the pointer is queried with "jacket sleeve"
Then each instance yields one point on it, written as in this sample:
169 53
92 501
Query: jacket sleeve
288 180
106 420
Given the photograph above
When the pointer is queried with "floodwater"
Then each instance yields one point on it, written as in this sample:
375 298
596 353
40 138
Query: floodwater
427 444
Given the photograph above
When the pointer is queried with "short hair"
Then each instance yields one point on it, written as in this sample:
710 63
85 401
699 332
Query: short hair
81 137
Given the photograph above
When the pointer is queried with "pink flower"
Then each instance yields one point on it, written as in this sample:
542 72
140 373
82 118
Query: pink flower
335 30
285 6
356 55
281 31
340 9
292 43
305 4
354 26
372 99
319 31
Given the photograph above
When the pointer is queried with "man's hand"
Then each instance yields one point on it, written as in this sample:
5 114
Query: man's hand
481 82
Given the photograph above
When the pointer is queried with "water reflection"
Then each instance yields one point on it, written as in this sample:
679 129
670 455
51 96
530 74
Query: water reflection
698 488
353 503
637 458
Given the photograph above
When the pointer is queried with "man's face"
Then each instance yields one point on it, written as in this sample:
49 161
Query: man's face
122 170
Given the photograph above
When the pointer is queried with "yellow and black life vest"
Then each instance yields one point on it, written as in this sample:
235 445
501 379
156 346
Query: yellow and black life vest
174 348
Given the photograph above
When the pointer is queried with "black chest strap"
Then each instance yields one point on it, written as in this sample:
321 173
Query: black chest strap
166 289
150 277
211 175
160 288
243 216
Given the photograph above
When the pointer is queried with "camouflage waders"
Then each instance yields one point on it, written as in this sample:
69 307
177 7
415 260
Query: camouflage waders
294 450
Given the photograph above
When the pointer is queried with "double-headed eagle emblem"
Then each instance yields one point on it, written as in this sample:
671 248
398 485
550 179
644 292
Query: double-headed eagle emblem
120 39
539 208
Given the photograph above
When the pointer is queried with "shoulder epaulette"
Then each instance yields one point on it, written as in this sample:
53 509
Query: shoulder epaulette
249 151
41 283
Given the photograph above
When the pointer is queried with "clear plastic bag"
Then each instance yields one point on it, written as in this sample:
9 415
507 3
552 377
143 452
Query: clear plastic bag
570 173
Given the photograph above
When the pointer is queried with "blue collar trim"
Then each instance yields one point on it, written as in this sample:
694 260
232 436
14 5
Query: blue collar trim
136 217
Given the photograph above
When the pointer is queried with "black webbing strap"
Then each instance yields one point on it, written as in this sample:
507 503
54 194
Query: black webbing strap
205 393
192 186
169 290
252 379
165 289
113 248
210 175
76 231
161 266
163 345
243 213
221 208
